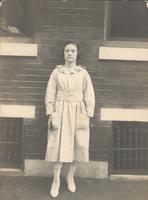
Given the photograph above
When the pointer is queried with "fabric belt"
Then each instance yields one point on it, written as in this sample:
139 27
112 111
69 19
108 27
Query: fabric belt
70 96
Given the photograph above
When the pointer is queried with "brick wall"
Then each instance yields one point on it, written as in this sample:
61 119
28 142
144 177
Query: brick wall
54 23
24 80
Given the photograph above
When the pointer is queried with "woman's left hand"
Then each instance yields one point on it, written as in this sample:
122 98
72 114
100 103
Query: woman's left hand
49 121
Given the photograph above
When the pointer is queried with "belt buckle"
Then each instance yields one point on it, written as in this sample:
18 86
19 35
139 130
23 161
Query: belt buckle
67 96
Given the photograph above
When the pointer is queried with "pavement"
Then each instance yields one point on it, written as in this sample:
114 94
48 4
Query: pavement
37 188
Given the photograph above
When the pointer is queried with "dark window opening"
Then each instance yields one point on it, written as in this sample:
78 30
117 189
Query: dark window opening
14 18
128 19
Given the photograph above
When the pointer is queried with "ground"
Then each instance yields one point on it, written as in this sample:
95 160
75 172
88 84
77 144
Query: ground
37 188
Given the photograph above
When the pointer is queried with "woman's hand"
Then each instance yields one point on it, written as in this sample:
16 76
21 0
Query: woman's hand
49 121
91 122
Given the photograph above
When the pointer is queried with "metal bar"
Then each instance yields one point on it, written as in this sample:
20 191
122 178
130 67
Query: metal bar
130 147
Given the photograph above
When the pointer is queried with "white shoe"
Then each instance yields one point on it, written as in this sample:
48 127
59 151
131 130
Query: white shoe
54 192
71 184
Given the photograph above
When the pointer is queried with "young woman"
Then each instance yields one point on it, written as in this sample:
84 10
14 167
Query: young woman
70 102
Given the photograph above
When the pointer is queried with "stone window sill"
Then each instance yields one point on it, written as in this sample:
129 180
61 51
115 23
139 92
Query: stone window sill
17 46
121 114
121 50
17 111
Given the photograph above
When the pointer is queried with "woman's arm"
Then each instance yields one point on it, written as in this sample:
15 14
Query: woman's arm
51 94
89 96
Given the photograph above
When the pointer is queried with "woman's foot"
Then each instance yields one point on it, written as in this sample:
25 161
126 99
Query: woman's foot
71 184
54 192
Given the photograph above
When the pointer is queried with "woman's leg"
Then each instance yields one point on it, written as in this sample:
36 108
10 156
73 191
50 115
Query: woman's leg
54 192
70 178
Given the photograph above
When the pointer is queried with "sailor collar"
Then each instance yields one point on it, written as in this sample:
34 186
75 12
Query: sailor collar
72 70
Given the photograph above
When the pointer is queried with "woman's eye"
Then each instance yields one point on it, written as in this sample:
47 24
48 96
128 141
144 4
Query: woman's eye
68 51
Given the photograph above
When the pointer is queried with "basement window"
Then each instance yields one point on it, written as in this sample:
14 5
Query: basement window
129 149
11 143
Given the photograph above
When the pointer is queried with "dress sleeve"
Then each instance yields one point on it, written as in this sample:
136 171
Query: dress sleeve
89 96
51 93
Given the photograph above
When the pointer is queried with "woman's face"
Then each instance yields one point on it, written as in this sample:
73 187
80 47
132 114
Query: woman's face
70 53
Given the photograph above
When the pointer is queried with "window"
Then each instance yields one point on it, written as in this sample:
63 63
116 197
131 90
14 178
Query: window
128 20
15 29
14 18
126 31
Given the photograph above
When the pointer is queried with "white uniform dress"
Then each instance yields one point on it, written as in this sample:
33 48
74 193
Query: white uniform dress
70 101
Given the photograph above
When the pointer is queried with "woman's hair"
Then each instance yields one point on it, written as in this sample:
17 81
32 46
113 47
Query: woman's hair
75 44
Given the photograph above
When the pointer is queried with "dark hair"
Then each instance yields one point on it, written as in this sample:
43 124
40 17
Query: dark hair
75 44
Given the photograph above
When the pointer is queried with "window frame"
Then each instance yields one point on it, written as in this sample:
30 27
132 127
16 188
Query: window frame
125 41
127 50
20 45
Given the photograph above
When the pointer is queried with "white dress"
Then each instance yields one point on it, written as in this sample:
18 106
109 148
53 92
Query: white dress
70 101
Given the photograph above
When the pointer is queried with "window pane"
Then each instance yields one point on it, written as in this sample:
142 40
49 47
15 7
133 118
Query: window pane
129 19
13 18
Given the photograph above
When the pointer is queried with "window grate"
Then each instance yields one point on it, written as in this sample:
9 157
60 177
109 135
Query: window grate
129 147
11 142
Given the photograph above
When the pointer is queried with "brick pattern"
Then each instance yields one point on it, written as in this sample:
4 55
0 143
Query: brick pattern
24 80
59 22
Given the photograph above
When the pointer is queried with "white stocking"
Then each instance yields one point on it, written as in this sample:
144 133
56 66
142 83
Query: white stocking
54 192
70 178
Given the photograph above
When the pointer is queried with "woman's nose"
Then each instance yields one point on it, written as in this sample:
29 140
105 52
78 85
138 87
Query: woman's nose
69 53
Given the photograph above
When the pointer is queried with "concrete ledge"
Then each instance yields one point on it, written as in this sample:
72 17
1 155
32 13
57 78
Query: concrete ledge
129 177
18 49
93 169
17 111
122 53
115 114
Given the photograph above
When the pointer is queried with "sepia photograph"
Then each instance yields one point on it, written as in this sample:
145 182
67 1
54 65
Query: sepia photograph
73 99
